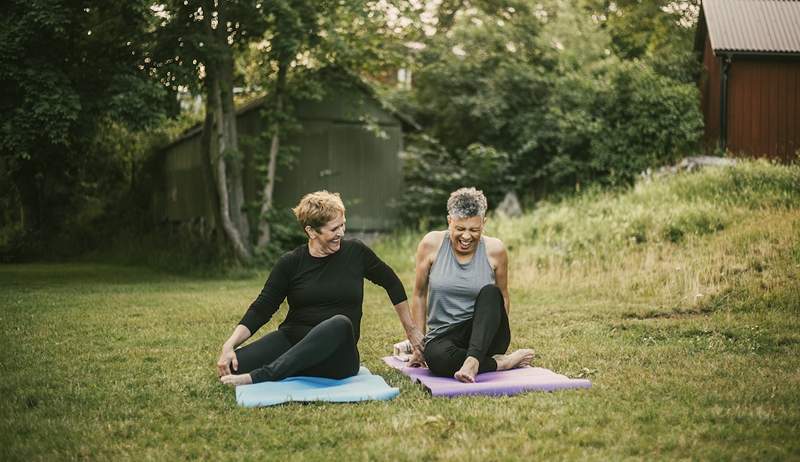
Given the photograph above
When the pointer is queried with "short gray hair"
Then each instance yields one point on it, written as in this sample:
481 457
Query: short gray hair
466 203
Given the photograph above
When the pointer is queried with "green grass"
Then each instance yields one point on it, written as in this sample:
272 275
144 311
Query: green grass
680 300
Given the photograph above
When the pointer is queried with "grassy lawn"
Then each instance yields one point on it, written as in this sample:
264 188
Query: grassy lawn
679 299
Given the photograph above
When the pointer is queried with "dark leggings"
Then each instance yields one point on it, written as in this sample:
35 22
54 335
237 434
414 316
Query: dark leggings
327 350
486 334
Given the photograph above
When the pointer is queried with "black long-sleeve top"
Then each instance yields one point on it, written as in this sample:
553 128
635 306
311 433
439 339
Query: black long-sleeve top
318 288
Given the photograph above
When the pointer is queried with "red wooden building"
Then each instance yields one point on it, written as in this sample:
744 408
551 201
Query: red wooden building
751 80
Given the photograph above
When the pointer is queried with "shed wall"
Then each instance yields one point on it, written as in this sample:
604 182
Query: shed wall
349 159
710 103
334 150
764 107
184 188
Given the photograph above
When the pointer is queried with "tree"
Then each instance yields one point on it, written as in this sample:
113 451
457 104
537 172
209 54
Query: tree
195 47
659 32
311 34
66 69
553 93
199 42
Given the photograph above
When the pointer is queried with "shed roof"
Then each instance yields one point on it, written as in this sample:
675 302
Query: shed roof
753 26
407 122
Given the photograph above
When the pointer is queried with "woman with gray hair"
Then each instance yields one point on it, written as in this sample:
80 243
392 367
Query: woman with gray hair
461 289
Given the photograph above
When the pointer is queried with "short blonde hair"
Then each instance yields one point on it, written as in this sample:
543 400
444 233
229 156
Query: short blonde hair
317 208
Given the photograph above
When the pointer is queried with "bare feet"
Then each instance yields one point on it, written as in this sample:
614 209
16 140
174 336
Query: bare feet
468 370
519 358
236 379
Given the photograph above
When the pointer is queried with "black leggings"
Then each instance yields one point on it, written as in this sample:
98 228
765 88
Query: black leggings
486 334
327 350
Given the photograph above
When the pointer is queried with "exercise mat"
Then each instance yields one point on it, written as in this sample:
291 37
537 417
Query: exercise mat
362 387
510 382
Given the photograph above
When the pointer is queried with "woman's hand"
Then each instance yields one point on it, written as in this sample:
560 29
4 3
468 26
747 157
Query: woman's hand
236 379
416 359
227 359
416 338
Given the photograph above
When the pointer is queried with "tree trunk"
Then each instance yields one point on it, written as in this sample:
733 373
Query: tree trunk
214 110
229 146
220 106
269 185
208 175
30 198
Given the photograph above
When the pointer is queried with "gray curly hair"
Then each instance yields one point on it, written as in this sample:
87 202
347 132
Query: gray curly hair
466 203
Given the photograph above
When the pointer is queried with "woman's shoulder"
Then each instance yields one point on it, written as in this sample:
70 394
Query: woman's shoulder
354 245
355 248
432 241
289 261
494 246
292 256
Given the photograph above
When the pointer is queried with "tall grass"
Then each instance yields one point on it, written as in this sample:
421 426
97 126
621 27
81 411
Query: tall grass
662 237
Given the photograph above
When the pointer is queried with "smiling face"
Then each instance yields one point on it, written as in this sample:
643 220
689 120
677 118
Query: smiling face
328 238
465 233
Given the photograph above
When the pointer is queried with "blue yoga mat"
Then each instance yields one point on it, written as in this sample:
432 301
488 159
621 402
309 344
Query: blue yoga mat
361 387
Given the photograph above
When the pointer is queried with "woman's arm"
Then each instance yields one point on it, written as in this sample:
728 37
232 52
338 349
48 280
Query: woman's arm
419 297
499 257
413 333
382 274
227 359
259 312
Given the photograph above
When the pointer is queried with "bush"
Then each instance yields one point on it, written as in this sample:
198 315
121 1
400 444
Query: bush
646 120
285 234
697 219
431 174
547 106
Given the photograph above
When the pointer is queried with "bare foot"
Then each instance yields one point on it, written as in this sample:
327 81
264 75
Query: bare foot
519 358
236 379
468 370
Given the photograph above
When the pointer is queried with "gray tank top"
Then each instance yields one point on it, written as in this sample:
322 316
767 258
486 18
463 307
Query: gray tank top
453 287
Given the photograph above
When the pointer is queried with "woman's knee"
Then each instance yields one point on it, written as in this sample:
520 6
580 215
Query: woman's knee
489 295
440 359
340 323
490 290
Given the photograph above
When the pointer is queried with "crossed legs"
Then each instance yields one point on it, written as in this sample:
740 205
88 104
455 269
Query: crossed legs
327 350
477 345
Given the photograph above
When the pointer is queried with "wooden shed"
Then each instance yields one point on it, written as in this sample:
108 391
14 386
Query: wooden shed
751 81
347 142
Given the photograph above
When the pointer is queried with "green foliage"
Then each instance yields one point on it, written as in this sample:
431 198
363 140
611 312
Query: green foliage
658 32
431 174
285 234
560 91
67 70
647 120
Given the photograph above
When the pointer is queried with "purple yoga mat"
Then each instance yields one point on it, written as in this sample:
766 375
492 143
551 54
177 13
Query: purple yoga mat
510 382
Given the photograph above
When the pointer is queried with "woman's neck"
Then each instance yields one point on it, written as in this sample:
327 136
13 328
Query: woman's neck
315 249
462 258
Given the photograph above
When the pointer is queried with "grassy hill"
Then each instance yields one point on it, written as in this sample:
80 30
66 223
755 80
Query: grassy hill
679 299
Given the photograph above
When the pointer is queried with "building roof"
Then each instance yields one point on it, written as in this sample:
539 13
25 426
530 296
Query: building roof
406 121
753 26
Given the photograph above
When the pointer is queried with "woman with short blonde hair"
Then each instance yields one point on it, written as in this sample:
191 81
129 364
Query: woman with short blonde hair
318 208
323 282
